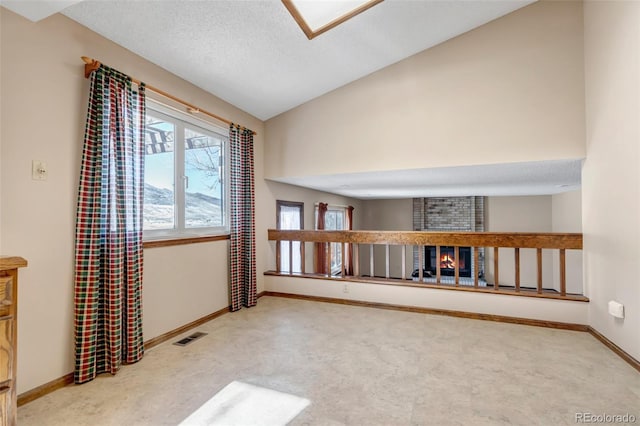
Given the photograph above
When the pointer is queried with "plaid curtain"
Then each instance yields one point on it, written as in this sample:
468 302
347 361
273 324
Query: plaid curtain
108 259
242 258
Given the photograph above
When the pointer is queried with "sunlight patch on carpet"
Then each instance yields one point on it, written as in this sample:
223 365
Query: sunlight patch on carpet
241 404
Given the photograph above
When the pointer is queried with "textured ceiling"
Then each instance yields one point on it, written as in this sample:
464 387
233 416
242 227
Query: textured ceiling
253 54
512 179
36 10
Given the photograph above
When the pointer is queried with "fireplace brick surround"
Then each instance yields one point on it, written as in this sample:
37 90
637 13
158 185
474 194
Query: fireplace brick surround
459 214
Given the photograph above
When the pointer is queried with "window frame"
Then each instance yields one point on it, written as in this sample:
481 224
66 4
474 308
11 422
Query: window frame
300 206
181 121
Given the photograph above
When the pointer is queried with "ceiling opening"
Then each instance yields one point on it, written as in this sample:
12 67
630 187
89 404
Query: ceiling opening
316 17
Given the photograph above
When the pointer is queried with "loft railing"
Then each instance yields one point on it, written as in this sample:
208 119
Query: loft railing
361 244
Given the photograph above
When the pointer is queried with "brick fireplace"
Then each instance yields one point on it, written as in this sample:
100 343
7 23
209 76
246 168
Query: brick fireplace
457 214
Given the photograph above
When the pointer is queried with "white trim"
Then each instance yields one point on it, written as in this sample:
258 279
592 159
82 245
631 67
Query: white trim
171 111
179 119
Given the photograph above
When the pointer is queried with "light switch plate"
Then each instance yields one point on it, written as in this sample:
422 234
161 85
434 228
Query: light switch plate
39 170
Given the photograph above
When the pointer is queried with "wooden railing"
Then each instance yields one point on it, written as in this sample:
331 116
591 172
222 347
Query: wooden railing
479 242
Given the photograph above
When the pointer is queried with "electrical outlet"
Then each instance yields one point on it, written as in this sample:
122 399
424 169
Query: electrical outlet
39 170
616 309
345 289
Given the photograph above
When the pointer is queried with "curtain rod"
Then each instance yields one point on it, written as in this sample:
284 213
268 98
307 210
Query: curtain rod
92 65
333 205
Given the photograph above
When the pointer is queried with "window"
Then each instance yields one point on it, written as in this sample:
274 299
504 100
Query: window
185 178
335 220
290 215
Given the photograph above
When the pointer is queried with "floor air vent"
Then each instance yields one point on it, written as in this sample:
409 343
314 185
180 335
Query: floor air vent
185 341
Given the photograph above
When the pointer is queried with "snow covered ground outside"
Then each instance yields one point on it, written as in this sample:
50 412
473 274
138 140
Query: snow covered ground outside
201 210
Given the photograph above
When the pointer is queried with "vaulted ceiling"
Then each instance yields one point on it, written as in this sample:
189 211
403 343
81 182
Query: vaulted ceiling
254 55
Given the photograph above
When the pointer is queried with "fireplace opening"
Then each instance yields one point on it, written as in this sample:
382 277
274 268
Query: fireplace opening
448 261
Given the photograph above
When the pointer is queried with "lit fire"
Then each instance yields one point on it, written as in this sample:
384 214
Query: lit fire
447 262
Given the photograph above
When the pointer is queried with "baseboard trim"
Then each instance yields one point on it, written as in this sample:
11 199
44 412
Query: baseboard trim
45 389
459 314
615 348
176 332
486 317
67 379
173 333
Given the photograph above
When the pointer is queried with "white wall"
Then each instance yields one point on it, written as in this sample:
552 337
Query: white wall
387 215
466 301
509 91
567 217
183 283
44 102
611 173
519 214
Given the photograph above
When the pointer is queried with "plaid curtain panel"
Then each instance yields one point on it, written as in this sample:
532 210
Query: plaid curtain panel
108 251
242 256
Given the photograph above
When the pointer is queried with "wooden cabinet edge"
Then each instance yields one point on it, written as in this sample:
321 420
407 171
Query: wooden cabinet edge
9 266
12 262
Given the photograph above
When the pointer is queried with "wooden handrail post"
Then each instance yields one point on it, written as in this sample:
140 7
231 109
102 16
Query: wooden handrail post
344 259
496 268
290 257
563 273
404 263
420 263
476 253
278 254
328 248
303 258
356 260
456 257
539 253
437 264
517 259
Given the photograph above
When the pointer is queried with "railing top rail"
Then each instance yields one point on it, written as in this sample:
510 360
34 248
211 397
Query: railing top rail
462 239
